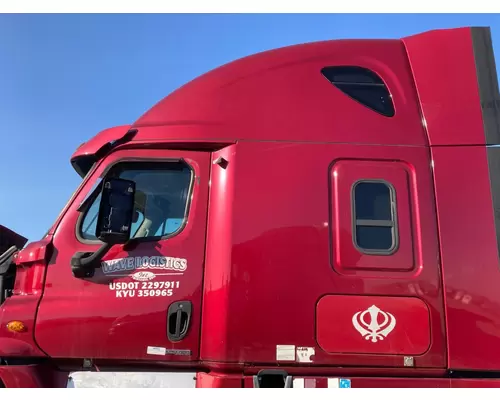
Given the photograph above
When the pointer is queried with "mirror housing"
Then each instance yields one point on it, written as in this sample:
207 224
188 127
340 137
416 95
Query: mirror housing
114 222
116 211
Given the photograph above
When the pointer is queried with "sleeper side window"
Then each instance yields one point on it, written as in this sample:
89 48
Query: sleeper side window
161 199
375 225
363 86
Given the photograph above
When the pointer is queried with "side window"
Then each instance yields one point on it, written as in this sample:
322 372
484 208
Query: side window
362 85
161 201
375 225
90 220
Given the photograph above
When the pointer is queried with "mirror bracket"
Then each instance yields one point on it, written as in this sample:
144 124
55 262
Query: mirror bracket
84 264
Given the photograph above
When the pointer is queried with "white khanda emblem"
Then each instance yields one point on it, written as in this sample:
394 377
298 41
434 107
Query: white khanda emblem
371 329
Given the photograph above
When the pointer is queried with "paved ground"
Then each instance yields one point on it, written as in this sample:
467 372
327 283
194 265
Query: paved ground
130 380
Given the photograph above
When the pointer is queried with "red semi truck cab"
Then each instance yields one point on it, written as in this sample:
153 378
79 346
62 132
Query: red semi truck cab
321 215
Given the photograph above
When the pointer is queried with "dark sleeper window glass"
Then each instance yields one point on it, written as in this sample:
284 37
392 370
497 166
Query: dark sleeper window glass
162 191
375 229
362 85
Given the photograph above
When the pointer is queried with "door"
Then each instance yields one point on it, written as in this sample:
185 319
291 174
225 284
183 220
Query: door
144 302
346 228
378 209
384 233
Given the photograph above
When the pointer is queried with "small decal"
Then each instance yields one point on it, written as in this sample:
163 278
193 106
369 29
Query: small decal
177 265
345 384
157 351
408 361
298 383
304 354
285 352
371 329
175 352
143 276
333 383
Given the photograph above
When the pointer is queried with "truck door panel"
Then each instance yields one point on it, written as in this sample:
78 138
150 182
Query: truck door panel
122 311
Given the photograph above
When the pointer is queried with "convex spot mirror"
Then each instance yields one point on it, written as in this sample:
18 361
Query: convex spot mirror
116 211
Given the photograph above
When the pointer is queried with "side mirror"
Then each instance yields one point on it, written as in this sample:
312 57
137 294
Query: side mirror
114 222
116 211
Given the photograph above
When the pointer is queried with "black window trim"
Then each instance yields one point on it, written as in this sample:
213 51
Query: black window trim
394 223
83 208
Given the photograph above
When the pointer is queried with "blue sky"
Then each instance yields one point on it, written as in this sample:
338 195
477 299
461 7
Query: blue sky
63 78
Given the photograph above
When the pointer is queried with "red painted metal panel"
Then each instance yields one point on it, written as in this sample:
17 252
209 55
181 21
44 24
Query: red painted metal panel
218 266
469 255
444 69
475 383
104 137
218 380
389 382
372 325
269 254
281 95
31 264
19 344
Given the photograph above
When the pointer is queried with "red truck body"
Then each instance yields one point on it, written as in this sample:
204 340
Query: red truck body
317 228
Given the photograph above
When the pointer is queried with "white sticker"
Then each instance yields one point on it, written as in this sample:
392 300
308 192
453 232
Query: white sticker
176 352
144 289
157 351
298 383
304 354
333 383
285 352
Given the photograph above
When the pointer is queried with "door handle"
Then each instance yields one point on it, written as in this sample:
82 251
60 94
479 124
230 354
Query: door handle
178 320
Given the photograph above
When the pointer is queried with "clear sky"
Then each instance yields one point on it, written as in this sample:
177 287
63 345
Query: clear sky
63 78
